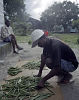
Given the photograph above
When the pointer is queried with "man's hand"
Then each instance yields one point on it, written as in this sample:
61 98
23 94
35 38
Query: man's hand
40 85
41 66
38 75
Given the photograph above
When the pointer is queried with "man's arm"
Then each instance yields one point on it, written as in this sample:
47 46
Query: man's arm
43 59
52 73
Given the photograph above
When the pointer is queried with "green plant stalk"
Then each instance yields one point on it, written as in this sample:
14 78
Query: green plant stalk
21 87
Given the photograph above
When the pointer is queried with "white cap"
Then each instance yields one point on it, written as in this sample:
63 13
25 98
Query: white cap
36 34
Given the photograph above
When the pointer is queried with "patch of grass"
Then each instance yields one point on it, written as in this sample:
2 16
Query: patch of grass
70 39
23 39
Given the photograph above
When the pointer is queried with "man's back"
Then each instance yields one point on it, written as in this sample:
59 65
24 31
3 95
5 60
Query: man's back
6 31
58 50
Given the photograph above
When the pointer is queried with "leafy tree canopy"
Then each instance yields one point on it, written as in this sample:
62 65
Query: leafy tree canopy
60 14
15 9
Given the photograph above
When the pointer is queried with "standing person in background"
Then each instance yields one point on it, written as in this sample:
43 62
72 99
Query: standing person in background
7 35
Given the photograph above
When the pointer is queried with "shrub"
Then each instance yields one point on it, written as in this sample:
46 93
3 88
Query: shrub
78 40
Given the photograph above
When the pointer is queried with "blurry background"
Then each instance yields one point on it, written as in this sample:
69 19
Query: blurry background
51 15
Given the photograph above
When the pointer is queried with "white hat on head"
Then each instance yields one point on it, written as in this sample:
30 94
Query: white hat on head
36 34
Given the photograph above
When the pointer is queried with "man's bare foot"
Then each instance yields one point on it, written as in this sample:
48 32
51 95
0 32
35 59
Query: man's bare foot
19 48
15 52
65 79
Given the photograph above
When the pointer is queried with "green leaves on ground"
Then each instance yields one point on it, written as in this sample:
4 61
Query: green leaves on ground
14 71
23 88
32 65
41 96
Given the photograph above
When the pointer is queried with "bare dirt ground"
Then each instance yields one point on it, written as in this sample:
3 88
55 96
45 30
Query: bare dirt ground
69 91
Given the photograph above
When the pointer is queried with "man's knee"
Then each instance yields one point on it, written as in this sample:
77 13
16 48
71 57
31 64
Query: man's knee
12 36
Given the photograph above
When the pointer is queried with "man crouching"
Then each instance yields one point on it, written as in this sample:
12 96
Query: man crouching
57 56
